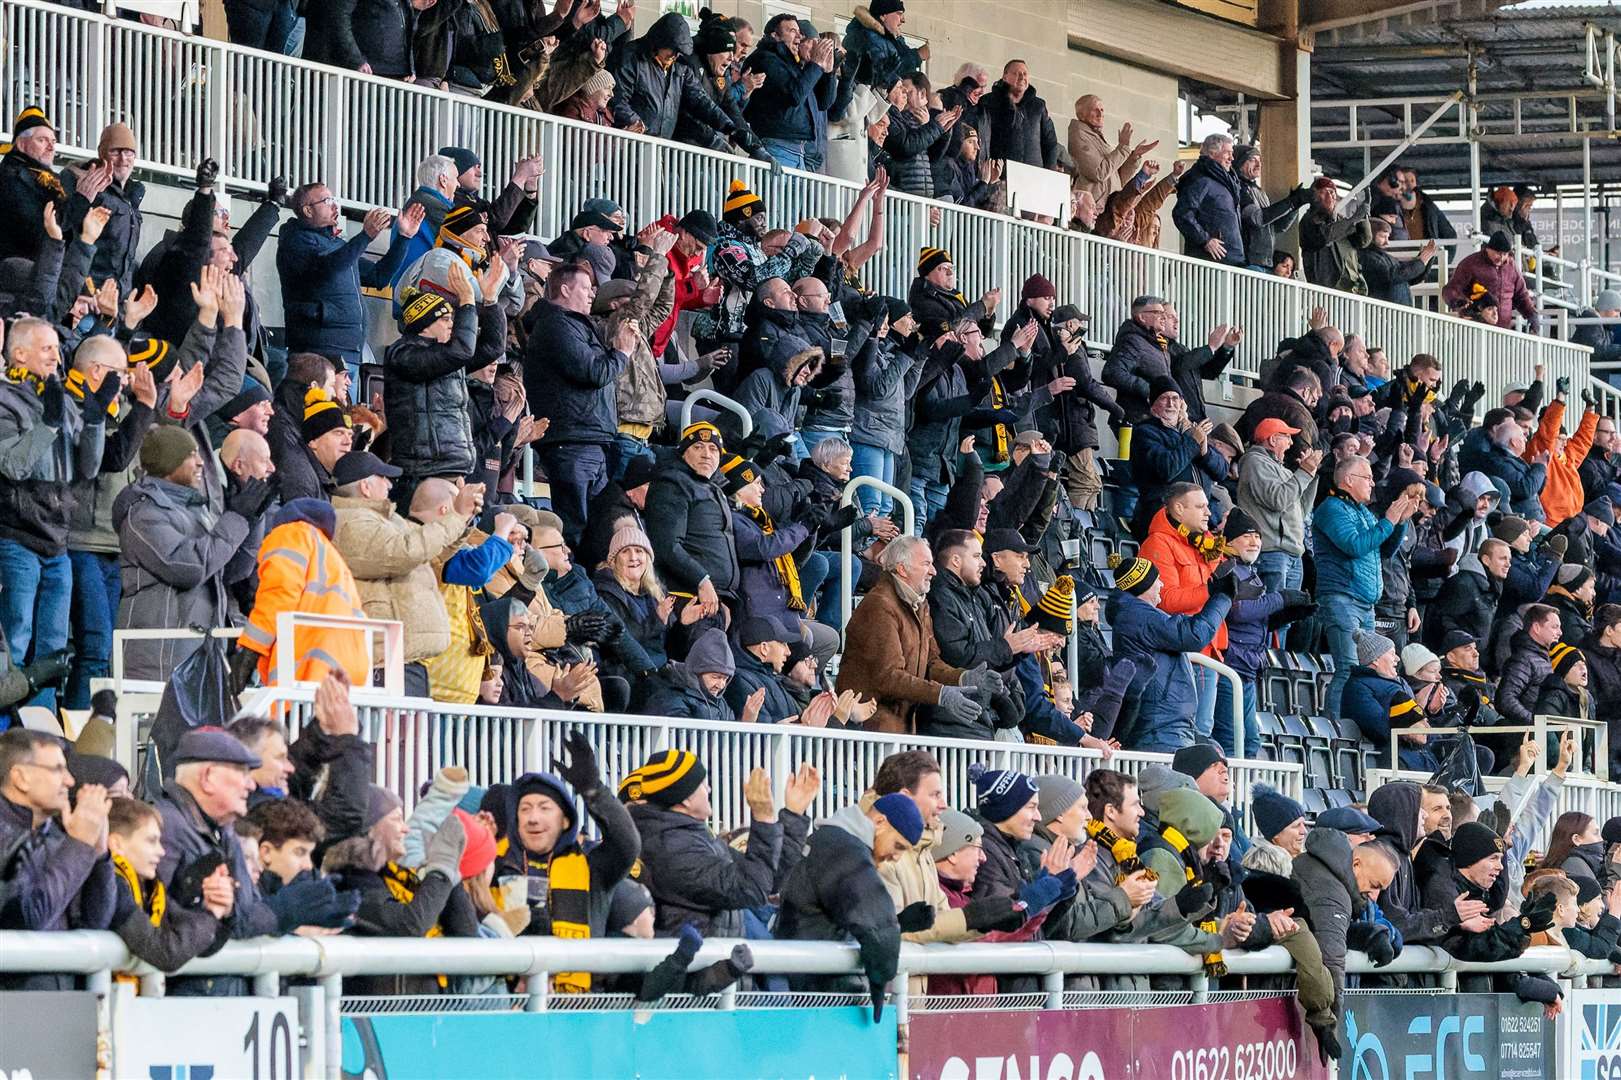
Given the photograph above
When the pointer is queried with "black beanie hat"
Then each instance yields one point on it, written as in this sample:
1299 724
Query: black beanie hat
1472 842
1238 523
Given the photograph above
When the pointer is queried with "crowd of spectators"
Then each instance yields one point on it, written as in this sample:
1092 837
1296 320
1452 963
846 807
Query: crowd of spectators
165 467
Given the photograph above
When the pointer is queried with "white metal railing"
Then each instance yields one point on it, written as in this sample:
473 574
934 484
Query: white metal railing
847 583
744 417
262 115
328 961
414 738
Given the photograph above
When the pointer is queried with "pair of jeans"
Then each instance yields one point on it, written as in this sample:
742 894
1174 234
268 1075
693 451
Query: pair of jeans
626 450
36 593
577 473
1222 729
1204 684
97 588
1341 616
810 436
260 24
790 153
878 463
827 602
928 499
1280 570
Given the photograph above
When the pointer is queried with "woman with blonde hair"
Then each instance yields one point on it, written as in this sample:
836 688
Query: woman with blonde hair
628 584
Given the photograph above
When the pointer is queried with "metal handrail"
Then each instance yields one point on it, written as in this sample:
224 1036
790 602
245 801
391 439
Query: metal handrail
723 401
392 630
846 557
1238 696
1541 726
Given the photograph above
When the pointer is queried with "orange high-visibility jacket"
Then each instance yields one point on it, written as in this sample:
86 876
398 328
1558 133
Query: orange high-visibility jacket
301 570
1562 492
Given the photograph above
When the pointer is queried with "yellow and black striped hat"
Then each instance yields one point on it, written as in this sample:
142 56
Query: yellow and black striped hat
741 203
31 117
666 779
929 258
321 415
422 310
151 351
1054 610
1135 576
701 431
1565 657
738 472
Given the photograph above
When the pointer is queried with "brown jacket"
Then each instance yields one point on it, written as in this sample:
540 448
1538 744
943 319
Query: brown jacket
892 656
1099 168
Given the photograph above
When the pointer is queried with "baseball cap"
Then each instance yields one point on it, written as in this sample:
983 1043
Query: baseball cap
1273 426
359 464
1006 540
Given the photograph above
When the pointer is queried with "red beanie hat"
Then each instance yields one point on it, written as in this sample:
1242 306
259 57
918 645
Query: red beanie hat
1036 287
480 850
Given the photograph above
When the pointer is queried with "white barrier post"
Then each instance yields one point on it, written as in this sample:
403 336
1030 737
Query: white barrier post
846 562
1238 696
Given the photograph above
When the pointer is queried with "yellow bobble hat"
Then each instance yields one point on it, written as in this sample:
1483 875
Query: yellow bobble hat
929 258
737 473
321 415
423 310
666 779
1053 611
741 203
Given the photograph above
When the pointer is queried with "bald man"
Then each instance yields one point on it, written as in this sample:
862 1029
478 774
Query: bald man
246 455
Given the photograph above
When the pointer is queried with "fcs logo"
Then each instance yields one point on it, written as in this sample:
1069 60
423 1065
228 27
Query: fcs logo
1415 1066
1367 1044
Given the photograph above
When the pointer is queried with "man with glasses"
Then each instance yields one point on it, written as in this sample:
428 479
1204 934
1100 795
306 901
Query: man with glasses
58 852
1346 539
1141 354
107 182
1602 469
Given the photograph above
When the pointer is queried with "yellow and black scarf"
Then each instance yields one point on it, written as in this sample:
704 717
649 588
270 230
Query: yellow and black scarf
569 906
77 385
153 903
1214 964
23 377
1212 547
1123 851
1046 692
787 569
402 885
1004 438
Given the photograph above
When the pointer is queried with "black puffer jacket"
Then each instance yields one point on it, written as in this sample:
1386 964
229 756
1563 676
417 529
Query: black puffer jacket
1070 421
1528 667
697 878
1139 355
25 187
425 394
658 96
115 251
835 894
690 524
1020 130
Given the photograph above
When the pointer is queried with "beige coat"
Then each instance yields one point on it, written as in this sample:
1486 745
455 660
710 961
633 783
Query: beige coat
1099 168
911 878
392 561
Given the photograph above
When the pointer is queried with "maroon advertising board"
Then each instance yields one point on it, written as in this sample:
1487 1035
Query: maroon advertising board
1259 1039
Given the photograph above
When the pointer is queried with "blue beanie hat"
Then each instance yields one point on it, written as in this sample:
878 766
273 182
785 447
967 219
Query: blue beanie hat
1000 793
903 814
1273 811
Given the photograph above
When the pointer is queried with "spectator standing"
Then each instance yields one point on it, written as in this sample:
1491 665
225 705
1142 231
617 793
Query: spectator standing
46 445
1278 499
1388 277
178 557
1021 129
1529 665
322 273
655 84
916 138
1329 245
639 395
120 238
1256 607
513 209
1470 598
791 107
1207 205
1346 539
876 53
1602 466
1140 354
1491 272
570 376
28 184
1262 220
1101 169
1562 494
1167 450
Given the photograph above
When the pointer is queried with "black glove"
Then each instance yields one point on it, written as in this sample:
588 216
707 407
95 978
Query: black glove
1373 939
876 990
244 663
186 886
586 627
1561 385
277 191
207 172
48 670
1224 582
1537 916
986 913
580 770
1219 873
251 499
1328 1043
99 400
842 518
312 902
1295 597
915 918
774 448
55 401
1476 392
1195 898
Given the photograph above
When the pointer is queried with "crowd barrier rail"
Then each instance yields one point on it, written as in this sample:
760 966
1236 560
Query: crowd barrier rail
414 737
98 955
263 115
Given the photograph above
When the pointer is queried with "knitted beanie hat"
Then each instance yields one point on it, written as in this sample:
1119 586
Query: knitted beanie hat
1000 793
1371 646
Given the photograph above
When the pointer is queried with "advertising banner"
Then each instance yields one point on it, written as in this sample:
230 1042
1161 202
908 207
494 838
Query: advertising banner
47 1033
1257 1039
180 1038
1451 1036
780 1044
1593 1042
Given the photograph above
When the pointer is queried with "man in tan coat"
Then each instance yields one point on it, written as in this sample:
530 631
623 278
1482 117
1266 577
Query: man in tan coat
890 653
1100 168
392 558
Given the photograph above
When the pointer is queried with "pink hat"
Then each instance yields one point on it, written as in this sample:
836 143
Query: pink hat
628 536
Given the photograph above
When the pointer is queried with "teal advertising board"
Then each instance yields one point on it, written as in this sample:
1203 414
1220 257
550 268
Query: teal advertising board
769 1044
